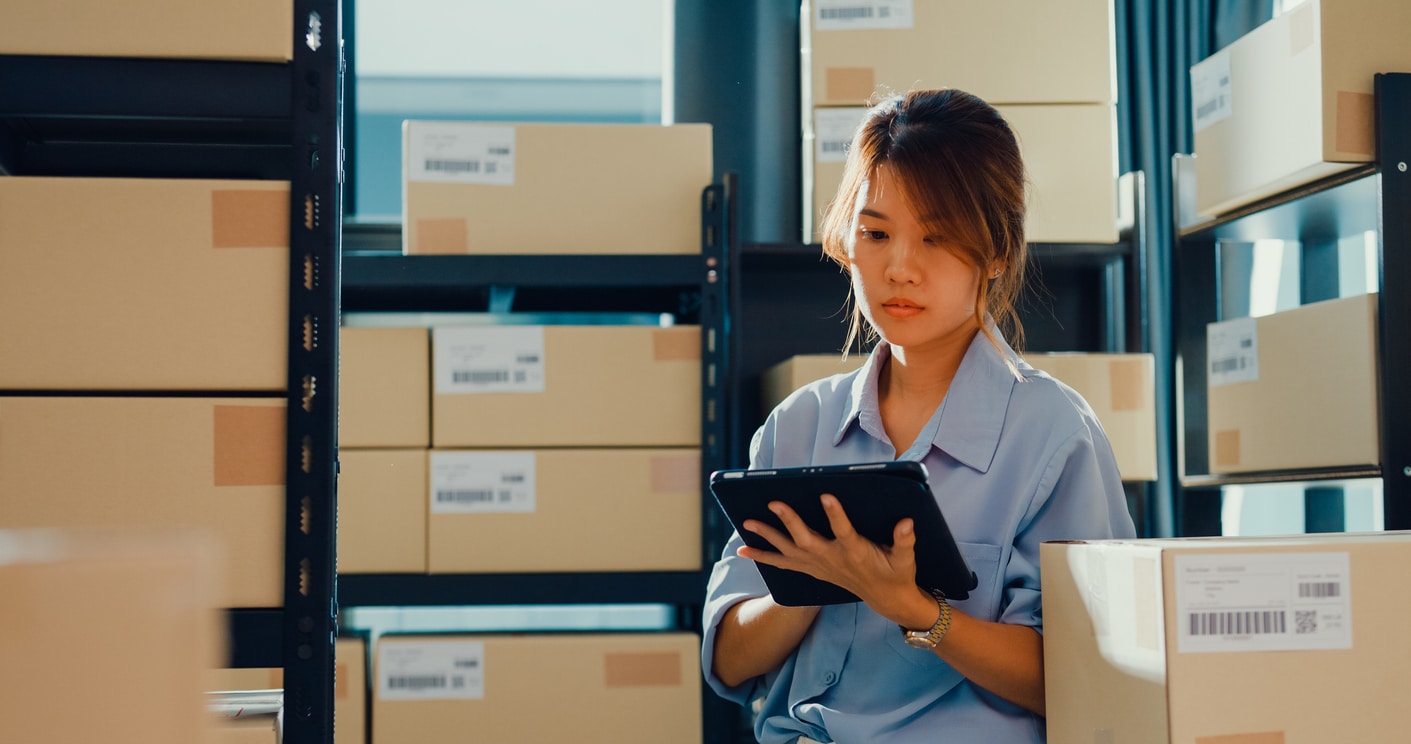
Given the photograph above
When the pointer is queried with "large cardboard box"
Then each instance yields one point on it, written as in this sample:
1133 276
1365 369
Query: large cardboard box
143 284
382 508
257 30
1231 640
626 688
384 387
565 510
254 730
104 635
1069 152
1004 51
1296 389
553 188
350 694
1121 388
566 386
216 464
1292 100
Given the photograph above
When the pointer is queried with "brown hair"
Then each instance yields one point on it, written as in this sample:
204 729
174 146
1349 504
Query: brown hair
958 164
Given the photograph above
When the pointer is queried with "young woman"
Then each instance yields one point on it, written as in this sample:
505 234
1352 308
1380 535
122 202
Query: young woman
929 223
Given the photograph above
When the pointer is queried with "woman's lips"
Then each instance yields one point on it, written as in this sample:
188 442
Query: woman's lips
898 308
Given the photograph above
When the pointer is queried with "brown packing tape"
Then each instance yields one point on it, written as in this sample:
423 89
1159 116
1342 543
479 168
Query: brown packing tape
249 446
1263 737
1126 385
675 345
645 669
450 235
850 84
676 473
246 218
1227 447
1356 112
1302 24
1145 593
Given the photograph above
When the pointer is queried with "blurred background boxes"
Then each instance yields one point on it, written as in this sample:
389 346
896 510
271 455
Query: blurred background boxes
1291 101
566 386
91 269
384 383
216 464
253 30
568 510
1226 639
350 693
104 635
609 188
382 511
627 688
1296 389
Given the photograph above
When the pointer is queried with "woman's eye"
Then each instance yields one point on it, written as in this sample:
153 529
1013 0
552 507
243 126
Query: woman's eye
934 240
873 234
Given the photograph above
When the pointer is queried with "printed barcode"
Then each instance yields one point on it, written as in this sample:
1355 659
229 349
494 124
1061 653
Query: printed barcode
1305 622
480 376
422 682
833 146
1250 622
454 166
844 14
1320 589
465 496
1232 364
1210 107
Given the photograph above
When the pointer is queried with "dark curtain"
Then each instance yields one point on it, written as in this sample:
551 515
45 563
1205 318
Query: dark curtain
1157 42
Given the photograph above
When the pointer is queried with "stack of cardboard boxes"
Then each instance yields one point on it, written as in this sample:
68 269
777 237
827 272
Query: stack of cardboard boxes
1049 68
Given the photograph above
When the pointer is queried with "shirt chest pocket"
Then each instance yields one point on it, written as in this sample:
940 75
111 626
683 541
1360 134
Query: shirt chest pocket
983 602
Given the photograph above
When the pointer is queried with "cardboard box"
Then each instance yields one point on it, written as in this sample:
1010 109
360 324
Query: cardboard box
1229 640
143 284
384 387
566 386
493 188
105 635
780 380
259 30
626 688
216 464
579 509
349 694
1069 152
1002 50
257 730
1121 388
382 511
1294 390
1292 101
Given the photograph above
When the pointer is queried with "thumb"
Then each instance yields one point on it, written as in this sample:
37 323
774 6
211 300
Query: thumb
904 539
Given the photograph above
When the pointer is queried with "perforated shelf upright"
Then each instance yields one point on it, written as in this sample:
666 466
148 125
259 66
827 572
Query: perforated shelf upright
185 118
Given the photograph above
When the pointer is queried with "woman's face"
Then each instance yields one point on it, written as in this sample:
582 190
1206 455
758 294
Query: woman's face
915 288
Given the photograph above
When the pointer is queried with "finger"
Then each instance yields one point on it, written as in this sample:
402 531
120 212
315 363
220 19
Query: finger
779 540
903 550
798 530
837 517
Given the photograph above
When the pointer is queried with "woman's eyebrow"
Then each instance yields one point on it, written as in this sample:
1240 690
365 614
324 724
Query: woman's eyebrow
866 212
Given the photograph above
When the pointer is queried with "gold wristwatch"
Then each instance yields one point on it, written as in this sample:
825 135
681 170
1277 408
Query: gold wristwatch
928 639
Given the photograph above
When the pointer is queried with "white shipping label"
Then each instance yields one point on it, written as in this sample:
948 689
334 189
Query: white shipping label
1232 352
445 670
460 153
482 482
1263 602
1211 98
856 15
488 359
833 129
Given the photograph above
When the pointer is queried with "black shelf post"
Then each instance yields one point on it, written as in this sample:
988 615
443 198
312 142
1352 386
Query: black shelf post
1393 96
310 598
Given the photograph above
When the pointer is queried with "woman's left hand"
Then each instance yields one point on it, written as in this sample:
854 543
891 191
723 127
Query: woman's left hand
883 577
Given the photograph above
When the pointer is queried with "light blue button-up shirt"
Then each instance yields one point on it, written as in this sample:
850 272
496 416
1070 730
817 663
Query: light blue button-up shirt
1013 464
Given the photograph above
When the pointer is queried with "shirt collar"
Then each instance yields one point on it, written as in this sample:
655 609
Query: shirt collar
974 408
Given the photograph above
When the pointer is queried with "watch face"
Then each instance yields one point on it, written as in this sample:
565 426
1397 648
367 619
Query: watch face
920 640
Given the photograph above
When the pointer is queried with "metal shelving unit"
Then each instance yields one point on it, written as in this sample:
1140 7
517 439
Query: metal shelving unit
1372 198
148 118
692 287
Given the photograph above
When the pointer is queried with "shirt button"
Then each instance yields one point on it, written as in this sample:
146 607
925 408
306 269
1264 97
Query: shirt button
830 678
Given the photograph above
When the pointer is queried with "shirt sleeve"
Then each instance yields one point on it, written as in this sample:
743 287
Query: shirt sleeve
732 580
1079 496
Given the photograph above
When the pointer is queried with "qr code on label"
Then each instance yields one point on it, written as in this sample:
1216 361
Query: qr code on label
1305 621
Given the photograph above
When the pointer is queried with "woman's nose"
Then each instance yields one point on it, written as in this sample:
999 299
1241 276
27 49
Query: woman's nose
901 262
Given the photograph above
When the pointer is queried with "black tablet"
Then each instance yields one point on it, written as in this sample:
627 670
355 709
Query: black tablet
875 496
